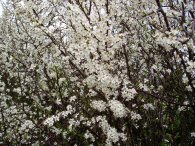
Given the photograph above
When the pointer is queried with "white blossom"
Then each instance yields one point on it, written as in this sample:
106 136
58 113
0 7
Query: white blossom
117 108
99 105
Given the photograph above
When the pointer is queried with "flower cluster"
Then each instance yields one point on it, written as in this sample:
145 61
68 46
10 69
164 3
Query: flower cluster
97 72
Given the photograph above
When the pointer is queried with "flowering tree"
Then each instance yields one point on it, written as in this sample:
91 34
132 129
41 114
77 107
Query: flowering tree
97 72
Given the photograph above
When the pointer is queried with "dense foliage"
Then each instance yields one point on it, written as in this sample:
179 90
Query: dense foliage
97 72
